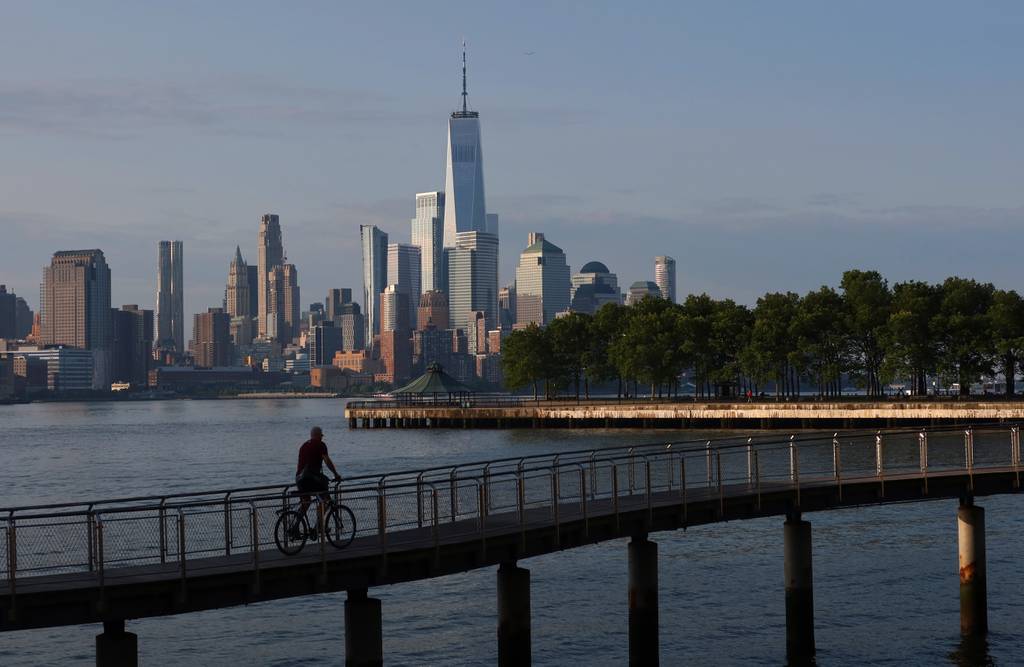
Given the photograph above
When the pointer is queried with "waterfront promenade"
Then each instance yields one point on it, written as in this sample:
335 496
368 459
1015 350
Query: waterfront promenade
108 561
761 413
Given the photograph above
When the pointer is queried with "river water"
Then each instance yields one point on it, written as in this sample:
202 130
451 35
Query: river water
886 587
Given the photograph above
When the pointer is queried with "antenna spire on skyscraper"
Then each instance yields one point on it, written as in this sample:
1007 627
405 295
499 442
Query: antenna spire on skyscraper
464 104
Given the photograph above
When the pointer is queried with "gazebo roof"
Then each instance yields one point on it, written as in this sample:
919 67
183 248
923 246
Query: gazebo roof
434 381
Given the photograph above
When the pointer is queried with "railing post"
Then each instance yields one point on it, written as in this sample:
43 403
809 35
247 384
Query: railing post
91 538
12 559
792 459
162 512
1015 453
647 484
615 493
181 546
835 457
796 473
100 551
583 501
879 467
419 500
382 516
454 499
969 456
707 462
750 460
254 544
632 475
227 524
721 489
757 478
434 527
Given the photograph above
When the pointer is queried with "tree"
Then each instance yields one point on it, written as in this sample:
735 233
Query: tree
648 349
1006 319
606 328
570 342
767 355
821 342
909 339
868 302
963 335
526 358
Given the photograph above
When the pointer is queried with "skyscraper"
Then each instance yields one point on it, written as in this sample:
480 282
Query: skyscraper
593 287
542 282
473 278
8 313
404 263
665 276
170 297
132 345
375 276
641 289
237 300
428 235
464 206
433 310
336 298
324 342
211 339
270 250
76 307
292 306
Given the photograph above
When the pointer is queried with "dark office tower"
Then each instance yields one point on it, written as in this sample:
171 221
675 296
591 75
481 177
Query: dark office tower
133 344
8 313
211 339
76 307
170 296
270 255
324 341
336 298
23 317
292 307
254 292
353 328
375 276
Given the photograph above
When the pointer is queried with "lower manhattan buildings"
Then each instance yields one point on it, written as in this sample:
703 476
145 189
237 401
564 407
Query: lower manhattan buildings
170 296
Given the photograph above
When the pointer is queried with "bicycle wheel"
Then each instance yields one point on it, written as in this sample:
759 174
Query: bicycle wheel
291 532
341 526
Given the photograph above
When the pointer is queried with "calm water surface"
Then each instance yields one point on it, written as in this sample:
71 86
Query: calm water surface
886 588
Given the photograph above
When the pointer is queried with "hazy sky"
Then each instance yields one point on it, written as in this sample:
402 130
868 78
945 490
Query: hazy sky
766 146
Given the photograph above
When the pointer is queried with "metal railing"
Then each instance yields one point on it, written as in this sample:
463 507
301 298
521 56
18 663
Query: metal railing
189 532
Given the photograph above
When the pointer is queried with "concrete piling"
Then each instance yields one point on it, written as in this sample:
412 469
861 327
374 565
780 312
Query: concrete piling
115 647
970 521
364 644
643 602
514 649
799 591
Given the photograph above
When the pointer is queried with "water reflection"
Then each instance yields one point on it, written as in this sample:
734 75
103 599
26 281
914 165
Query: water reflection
972 652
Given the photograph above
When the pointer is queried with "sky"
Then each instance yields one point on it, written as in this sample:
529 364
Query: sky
765 146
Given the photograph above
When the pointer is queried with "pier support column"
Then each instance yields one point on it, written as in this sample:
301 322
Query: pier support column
115 647
799 591
364 644
643 602
970 521
513 616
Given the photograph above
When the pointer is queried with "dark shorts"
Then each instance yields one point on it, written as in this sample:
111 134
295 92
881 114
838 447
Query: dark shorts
313 483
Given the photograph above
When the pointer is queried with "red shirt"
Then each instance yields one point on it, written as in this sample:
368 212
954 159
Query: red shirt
311 456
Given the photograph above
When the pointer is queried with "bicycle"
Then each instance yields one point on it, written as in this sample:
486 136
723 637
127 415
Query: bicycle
292 530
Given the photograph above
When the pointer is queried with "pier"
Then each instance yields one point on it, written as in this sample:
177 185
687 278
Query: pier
111 561
514 412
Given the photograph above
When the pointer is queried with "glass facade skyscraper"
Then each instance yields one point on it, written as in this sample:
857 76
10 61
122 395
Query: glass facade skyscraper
170 297
464 207
375 276
404 262
665 276
428 235
473 278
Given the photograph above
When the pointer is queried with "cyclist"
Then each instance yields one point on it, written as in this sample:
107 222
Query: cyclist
308 475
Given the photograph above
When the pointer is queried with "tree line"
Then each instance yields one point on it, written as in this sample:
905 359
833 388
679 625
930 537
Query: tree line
959 331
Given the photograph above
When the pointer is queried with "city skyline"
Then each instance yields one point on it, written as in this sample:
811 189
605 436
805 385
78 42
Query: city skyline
740 171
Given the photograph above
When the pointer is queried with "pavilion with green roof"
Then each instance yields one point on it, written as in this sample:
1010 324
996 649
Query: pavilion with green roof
434 386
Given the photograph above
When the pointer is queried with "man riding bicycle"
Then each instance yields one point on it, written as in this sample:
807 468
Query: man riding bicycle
308 475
